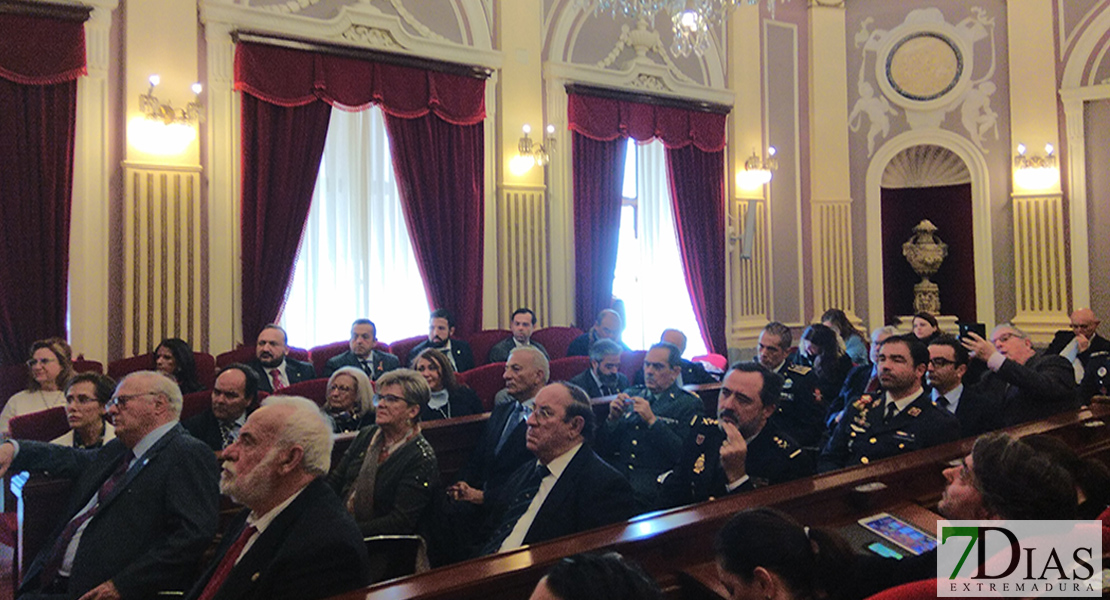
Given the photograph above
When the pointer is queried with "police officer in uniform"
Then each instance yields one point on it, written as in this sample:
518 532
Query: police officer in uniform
900 418
647 424
800 414
1096 379
742 448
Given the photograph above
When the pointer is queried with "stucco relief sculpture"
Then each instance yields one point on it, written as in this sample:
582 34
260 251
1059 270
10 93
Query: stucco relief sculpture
925 253
921 70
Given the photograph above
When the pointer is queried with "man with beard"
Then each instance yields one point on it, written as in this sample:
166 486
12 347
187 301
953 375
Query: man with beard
947 366
272 363
900 418
647 424
603 378
294 540
742 448
233 396
441 326
363 353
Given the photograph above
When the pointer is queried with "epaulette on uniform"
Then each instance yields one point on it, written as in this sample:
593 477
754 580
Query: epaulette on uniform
799 369
789 449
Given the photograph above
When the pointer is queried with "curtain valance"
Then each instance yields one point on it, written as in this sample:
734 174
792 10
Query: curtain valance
41 51
289 77
606 119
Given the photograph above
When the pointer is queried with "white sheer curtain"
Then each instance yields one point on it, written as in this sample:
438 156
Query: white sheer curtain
649 276
355 258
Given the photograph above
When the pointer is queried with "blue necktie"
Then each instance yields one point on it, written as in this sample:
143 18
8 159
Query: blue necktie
521 501
515 416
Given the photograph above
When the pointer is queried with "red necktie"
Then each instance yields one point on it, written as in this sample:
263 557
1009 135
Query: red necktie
275 377
227 564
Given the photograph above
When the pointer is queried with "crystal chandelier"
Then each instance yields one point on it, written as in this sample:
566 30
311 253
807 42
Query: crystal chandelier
691 20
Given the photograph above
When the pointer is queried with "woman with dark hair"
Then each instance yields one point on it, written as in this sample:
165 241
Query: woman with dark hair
821 347
606 576
449 397
925 327
763 553
174 359
853 338
50 366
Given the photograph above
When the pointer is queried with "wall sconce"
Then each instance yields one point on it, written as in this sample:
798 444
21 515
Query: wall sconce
757 171
162 129
530 153
1036 172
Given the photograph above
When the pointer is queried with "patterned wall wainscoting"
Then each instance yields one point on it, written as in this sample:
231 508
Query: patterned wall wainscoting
1039 264
522 253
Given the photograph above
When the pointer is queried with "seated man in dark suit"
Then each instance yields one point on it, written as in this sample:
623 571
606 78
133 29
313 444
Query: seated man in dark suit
603 378
524 321
143 508
233 396
441 326
608 326
898 419
947 365
1027 385
295 540
567 489
739 450
364 338
272 363
1081 342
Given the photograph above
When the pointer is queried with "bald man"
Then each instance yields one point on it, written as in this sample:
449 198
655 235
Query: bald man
1081 342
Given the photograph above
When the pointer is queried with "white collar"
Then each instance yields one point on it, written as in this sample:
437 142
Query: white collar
559 463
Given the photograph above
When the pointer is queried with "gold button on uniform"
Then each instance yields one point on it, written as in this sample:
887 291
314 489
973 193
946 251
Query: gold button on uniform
864 460
635 442
873 440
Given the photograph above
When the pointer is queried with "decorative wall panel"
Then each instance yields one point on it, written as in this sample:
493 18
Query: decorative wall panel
749 275
1039 265
833 285
522 262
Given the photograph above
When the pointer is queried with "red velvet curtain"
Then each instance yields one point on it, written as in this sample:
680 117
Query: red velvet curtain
598 178
40 61
439 167
440 170
695 142
697 182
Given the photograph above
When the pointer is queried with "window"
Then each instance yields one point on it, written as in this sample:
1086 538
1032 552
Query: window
650 278
355 258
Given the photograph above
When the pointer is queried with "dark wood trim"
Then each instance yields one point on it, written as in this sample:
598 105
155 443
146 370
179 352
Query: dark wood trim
27 8
388 58
645 98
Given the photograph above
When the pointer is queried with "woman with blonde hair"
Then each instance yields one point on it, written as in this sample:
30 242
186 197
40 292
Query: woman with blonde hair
349 404
50 366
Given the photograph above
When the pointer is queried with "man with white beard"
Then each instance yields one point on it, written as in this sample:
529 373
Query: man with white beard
294 540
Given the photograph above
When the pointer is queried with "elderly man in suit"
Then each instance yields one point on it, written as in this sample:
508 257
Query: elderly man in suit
272 363
899 418
603 378
234 395
524 321
948 361
608 326
441 329
142 510
1081 343
363 355
1027 385
294 540
567 488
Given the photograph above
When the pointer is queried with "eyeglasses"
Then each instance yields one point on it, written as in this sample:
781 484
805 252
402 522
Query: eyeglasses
80 398
391 398
40 361
940 363
121 401
342 388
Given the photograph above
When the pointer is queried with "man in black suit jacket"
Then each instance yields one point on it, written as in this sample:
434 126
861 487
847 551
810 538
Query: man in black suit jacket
948 360
1081 342
523 322
145 504
568 488
234 395
1027 385
607 326
364 337
441 326
295 540
603 378
272 362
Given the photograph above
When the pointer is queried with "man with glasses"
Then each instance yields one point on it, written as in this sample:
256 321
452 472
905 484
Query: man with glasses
607 326
567 488
742 448
233 397
1081 342
948 361
643 435
1027 385
899 418
143 508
